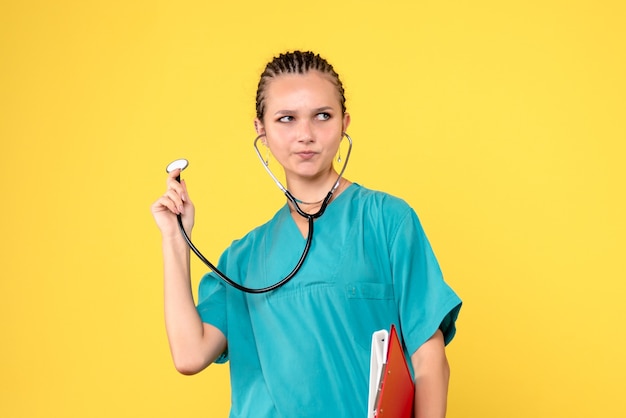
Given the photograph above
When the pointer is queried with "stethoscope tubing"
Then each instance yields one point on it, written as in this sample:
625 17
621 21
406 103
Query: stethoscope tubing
309 239
288 194
238 286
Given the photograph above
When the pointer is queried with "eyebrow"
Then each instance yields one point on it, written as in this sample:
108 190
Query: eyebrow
288 111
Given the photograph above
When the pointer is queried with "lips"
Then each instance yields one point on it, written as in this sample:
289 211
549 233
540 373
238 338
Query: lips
306 155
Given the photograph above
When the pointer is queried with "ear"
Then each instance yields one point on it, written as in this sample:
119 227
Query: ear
260 130
346 121
258 127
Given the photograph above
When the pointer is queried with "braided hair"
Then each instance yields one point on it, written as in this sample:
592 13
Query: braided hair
296 62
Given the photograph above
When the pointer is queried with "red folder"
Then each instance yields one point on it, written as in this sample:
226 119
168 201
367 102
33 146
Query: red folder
396 389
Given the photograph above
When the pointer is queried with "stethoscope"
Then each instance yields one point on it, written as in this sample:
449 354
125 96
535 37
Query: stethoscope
183 163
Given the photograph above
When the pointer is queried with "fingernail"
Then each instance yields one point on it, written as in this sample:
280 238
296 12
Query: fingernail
181 209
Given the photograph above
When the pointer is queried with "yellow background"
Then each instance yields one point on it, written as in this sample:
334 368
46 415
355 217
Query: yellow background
501 122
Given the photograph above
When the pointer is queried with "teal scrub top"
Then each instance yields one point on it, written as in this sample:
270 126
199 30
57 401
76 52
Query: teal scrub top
303 350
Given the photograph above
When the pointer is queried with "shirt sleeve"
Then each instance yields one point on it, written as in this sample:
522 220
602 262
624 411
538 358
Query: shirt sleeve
425 301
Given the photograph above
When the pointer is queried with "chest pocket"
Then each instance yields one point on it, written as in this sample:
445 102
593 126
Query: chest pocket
361 290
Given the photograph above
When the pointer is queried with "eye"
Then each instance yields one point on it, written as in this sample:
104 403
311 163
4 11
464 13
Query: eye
323 116
285 119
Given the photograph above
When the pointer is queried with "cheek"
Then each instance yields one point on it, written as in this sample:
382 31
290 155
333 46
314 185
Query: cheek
276 144
278 135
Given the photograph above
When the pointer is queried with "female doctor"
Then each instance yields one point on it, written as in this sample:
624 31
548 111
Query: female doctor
302 350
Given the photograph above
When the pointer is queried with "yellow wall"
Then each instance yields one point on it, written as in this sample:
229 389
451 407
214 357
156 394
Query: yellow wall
501 122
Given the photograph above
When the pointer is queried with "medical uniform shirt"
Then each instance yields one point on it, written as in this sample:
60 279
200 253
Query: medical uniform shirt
303 350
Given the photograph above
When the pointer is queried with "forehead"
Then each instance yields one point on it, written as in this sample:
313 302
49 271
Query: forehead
313 87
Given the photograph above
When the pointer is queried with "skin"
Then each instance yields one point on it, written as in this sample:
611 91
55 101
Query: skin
432 374
302 126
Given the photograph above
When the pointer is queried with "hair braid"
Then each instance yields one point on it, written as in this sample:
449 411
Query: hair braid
296 62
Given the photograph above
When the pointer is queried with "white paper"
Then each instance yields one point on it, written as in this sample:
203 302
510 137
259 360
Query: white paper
380 342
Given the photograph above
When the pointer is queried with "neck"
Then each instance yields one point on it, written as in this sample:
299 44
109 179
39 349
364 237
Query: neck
312 206
312 190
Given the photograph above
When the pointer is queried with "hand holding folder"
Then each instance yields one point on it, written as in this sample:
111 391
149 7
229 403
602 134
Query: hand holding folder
391 386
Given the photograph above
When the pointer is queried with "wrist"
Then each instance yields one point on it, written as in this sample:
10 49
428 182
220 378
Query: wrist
174 239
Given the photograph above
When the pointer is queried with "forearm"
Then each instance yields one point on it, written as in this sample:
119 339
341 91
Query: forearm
184 327
431 395
432 375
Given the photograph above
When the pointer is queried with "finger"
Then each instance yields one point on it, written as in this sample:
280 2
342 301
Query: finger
185 195
174 175
176 201
179 187
172 182
164 203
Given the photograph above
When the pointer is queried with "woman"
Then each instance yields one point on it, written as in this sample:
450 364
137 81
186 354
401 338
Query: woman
303 349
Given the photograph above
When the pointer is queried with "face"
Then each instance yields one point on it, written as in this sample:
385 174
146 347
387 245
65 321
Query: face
303 123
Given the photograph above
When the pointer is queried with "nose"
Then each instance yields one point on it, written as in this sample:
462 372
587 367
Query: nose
305 132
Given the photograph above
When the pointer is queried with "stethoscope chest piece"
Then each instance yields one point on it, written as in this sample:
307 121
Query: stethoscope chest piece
181 164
